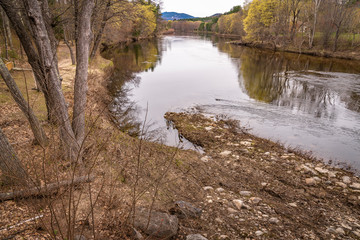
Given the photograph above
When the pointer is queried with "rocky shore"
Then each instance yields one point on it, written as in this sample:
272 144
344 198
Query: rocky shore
257 189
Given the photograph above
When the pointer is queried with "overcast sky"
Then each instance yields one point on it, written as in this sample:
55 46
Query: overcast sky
199 8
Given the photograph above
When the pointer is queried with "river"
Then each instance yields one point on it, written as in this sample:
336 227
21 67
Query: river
304 102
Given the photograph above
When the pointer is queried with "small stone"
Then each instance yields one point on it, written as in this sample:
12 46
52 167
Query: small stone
330 230
267 153
195 237
218 220
255 200
220 190
346 179
245 143
273 220
331 174
293 204
317 179
137 235
208 188
79 237
264 184
238 203
205 159
259 233
225 153
344 225
340 231
341 184
308 169
224 237
321 170
209 128
310 181
352 198
355 185
210 201
184 209
245 193
231 210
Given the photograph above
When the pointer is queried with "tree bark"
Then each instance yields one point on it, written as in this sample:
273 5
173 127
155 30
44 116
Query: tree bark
43 65
5 41
18 23
52 81
82 61
35 125
7 28
336 39
101 30
316 9
73 62
12 170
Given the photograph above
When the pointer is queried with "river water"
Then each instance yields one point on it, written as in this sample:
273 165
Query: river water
304 102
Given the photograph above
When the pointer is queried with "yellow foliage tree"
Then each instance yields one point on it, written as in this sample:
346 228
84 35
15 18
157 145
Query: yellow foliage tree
260 18
144 21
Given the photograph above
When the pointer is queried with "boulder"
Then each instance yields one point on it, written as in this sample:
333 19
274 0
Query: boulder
161 225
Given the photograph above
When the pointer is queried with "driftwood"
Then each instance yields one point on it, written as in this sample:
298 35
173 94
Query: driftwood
41 191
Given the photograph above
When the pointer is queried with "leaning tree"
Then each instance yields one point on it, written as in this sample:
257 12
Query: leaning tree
33 23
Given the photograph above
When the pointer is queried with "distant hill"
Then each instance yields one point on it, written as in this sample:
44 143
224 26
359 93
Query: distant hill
216 15
175 16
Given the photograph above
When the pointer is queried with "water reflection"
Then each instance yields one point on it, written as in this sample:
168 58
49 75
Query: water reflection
129 60
307 84
304 101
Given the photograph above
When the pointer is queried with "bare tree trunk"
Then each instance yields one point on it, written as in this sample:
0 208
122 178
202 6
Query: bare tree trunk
5 41
336 39
82 61
36 128
18 23
101 30
316 9
73 62
7 28
52 81
12 170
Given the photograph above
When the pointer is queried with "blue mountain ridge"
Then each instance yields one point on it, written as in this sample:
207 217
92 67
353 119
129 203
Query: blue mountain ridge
175 16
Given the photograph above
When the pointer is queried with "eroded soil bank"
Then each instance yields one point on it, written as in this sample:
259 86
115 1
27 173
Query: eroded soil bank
257 189
349 55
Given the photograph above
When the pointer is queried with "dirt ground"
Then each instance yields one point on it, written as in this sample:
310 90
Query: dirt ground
284 195
246 187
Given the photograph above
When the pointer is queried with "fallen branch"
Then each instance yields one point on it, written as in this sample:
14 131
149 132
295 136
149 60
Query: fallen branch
41 191
21 69
22 223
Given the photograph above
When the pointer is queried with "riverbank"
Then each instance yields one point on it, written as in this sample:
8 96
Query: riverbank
241 187
255 188
347 55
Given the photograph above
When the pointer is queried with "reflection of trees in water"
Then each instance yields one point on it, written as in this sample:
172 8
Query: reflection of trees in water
128 61
289 80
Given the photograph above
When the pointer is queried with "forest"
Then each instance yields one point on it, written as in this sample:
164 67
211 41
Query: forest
320 24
